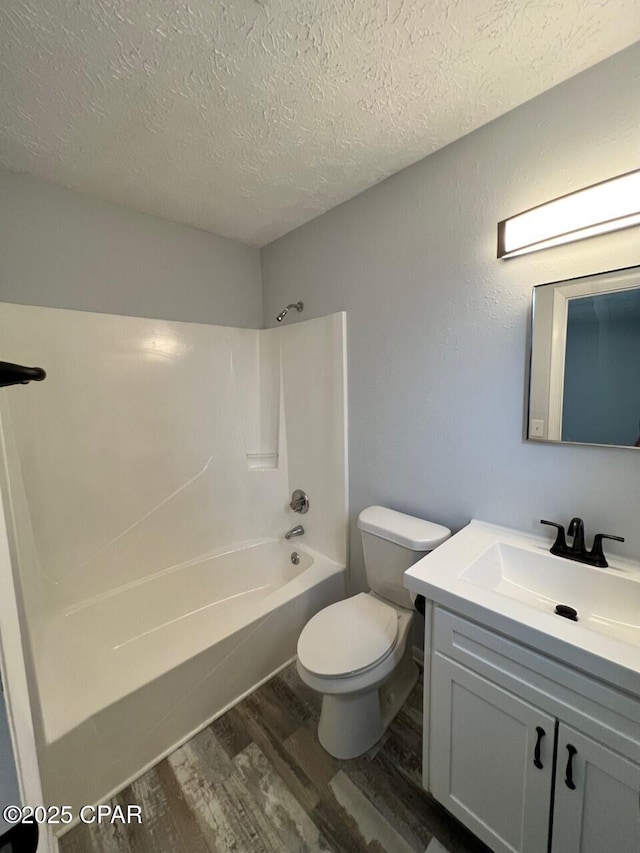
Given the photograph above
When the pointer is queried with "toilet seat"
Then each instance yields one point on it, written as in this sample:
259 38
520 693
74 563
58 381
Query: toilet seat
348 637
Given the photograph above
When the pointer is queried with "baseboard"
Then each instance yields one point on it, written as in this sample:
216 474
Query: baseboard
418 655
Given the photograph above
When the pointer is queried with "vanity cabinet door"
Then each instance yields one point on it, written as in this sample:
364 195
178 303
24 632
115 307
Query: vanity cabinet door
601 812
491 759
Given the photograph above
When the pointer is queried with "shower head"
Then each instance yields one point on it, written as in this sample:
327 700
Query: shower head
297 305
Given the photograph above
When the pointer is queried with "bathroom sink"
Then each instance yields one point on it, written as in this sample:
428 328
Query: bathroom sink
508 581
607 601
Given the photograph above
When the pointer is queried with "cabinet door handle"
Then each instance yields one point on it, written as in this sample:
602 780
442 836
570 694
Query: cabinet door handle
536 753
568 773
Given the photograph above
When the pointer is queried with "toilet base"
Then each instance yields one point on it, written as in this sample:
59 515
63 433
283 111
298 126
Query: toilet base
350 724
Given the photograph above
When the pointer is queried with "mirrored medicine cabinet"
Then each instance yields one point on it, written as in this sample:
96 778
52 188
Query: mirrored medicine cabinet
584 383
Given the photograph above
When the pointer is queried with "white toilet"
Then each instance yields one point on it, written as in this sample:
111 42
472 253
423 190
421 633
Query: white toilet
358 652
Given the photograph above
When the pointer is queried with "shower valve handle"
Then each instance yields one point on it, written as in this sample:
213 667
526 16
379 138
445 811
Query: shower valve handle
299 502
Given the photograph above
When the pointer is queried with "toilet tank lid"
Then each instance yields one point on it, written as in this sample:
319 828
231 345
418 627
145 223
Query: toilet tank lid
413 533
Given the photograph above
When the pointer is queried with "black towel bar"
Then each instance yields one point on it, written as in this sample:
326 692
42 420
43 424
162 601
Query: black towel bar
16 374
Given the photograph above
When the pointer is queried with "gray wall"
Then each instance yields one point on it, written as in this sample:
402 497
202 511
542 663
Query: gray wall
438 327
62 249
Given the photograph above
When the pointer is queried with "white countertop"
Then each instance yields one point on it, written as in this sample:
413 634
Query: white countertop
443 577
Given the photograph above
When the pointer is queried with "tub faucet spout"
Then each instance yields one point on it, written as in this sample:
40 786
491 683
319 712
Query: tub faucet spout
298 530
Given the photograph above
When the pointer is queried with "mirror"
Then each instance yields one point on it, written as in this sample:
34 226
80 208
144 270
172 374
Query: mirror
584 384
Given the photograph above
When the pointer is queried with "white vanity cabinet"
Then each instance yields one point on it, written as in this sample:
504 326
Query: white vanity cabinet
602 812
523 749
482 758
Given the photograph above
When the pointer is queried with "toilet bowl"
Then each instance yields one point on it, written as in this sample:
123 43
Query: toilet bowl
358 653
347 652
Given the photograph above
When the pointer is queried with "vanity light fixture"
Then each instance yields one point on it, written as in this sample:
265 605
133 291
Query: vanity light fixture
608 206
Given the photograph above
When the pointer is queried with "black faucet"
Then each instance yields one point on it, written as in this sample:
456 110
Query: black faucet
597 557
576 530
577 550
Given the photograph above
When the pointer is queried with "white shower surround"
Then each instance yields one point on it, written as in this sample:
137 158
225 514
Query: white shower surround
149 479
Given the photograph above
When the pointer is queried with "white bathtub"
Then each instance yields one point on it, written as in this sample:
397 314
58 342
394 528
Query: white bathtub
126 677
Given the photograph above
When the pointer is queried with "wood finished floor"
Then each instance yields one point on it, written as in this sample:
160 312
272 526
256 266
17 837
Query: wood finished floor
257 781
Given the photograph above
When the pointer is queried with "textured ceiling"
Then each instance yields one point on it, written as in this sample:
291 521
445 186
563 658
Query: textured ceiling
249 117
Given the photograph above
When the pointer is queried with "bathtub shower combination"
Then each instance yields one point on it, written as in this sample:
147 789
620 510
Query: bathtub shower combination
147 485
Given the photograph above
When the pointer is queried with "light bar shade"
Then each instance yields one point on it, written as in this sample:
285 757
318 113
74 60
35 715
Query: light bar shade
599 209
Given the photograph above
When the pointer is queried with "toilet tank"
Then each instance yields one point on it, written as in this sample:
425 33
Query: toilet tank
393 541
